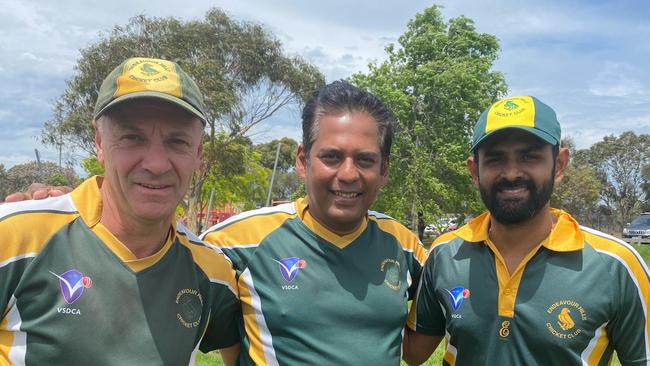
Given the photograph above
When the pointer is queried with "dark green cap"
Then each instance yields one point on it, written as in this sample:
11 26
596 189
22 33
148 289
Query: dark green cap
142 77
525 113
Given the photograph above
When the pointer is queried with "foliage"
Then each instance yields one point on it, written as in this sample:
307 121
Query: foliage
242 179
91 166
241 69
286 184
437 83
620 163
20 176
579 191
287 157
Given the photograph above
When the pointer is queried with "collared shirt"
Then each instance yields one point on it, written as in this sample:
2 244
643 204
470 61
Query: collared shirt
574 299
72 294
312 297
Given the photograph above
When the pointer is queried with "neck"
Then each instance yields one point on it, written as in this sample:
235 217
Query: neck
515 241
142 238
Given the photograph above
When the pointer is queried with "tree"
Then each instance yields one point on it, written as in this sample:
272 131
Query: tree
286 183
437 82
20 176
3 182
579 191
240 68
619 163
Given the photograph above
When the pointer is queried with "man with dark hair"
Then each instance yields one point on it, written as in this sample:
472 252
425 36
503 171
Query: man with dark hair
104 275
524 284
322 280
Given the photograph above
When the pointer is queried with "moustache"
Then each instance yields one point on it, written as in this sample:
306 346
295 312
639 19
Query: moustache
517 183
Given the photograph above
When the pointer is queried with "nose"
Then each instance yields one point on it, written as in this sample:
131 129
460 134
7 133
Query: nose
348 171
156 160
511 170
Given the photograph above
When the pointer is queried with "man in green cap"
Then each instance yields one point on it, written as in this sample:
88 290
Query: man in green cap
107 265
523 283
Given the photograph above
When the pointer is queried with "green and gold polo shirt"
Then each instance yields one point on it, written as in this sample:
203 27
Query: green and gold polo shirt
72 294
312 297
574 300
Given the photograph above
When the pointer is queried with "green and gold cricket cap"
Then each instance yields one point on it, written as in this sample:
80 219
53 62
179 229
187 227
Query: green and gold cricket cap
526 113
141 77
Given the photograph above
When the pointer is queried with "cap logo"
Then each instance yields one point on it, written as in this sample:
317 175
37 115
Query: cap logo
515 111
145 74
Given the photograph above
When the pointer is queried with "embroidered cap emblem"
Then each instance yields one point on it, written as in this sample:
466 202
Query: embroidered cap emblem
289 267
72 284
456 296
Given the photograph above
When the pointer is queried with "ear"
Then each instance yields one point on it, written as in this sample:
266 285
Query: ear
472 167
385 165
199 153
99 150
301 162
561 163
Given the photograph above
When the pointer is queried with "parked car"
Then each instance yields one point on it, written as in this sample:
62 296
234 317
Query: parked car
639 228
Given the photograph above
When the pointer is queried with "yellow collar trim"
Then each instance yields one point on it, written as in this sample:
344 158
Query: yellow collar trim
88 200
564 237
340 241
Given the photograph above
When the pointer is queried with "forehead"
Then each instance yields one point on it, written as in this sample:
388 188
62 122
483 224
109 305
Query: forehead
143 112
512 138
350 128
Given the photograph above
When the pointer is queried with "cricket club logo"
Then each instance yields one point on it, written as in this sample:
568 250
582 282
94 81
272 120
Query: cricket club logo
289 267
456 296
72 284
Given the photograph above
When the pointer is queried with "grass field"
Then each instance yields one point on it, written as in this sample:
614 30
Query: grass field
213 358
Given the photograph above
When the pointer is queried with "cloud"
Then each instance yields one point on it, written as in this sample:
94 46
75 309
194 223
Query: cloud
614 81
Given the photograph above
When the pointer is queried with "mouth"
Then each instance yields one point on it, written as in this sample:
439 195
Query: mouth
153 186
346 195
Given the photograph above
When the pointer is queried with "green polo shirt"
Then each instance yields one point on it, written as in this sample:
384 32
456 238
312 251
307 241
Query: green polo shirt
72 294
312 297
574 300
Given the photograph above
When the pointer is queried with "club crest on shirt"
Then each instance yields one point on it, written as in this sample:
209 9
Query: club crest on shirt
564 317
456 296
289 268
391 269
189 304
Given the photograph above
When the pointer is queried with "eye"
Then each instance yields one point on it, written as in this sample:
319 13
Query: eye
179 142
328 157
366 161
131 137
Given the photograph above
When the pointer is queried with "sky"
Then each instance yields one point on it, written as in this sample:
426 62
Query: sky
586 59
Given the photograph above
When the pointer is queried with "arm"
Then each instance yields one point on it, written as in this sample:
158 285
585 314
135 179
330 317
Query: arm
230 354
417 347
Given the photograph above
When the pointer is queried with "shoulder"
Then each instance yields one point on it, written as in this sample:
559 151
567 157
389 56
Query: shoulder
54 205
613 248
249 227
405 237
210 259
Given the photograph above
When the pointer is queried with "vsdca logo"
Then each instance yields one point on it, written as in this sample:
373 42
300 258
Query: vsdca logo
72 284
289 267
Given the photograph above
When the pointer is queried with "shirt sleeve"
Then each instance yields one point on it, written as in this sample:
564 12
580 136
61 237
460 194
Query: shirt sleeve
426 315
223 327
629 330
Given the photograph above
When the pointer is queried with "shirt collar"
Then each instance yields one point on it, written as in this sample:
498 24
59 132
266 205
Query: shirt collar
565 235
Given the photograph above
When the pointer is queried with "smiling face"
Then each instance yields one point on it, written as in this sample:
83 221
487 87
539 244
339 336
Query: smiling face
515 174
149 150
343 170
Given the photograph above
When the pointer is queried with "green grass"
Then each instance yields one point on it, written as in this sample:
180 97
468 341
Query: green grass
213 358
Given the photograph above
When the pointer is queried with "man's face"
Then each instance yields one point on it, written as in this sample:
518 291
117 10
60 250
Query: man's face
515 174
343 171
149 150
